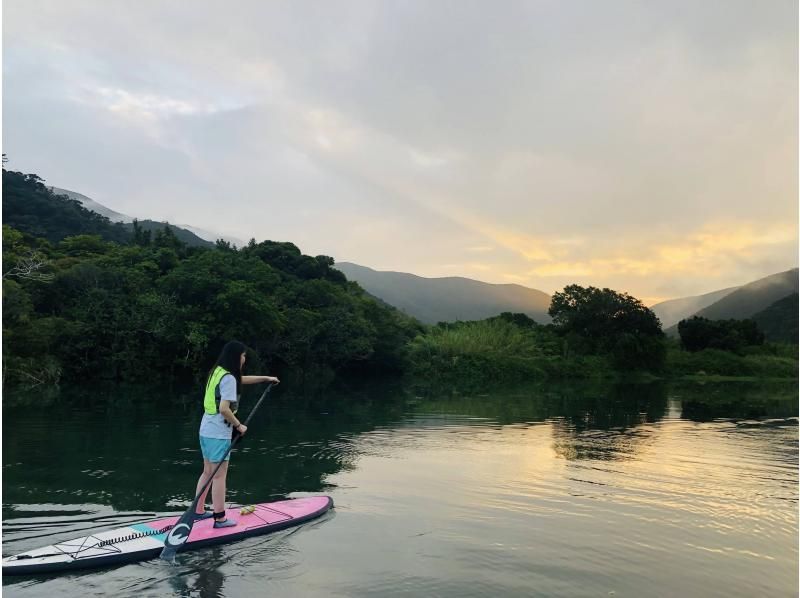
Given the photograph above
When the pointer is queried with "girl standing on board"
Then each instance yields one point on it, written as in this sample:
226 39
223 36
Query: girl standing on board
219 421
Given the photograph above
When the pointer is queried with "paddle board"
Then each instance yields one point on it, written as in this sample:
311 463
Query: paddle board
145 540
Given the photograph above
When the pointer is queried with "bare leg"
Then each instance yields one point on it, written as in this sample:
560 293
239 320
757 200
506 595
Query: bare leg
201 503
218 488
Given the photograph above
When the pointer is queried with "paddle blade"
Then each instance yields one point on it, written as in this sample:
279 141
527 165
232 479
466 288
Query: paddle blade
178 535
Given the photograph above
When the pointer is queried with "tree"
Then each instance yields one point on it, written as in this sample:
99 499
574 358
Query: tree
603 321
698 333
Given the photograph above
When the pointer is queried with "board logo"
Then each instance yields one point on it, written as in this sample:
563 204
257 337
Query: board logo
178 535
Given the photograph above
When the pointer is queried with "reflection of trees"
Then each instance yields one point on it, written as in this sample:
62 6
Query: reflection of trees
589 420
602 425
737 400
138 450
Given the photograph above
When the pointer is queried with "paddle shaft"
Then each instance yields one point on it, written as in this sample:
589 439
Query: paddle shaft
180 533
230 448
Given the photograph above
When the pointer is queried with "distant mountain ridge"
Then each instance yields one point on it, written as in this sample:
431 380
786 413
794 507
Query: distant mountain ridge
202 235
750 299
672 311
769 300
433 300
92 205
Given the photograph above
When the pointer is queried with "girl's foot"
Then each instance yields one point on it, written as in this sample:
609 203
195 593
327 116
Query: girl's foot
224 523
204 515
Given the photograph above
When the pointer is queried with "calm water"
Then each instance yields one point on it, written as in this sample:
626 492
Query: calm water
639 490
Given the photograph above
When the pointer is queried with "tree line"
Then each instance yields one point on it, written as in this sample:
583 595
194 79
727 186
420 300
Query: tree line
85 299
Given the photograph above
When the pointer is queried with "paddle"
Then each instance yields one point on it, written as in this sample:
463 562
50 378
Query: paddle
180 532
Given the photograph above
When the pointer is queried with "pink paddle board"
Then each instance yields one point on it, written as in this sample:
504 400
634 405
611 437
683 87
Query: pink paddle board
143 541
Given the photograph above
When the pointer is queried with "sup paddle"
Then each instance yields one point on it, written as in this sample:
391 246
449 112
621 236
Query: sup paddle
180 532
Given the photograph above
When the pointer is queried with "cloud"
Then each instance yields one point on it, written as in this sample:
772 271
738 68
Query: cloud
650 147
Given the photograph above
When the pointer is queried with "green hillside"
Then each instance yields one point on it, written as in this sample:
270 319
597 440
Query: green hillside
183 235
753 297
30 207
84 300
749 299
779 321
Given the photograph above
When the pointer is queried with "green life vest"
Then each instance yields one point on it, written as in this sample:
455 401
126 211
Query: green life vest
213 397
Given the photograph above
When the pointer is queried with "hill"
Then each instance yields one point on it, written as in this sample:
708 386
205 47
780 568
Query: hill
433 300
750 299
32 208
53 214
779 321
90 204
186 236
196 237
674 310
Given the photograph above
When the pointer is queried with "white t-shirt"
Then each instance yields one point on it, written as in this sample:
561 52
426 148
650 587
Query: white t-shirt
215 426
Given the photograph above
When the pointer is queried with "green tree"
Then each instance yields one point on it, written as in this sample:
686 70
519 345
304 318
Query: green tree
698 333
605 322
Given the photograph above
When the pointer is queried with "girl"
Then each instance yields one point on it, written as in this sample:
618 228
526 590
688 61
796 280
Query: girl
219 422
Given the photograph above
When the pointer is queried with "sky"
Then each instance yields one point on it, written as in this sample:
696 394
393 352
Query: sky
648 147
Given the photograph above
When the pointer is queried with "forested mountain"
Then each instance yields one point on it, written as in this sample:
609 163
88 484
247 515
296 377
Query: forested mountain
189 234
185 236
40 211
90 204
30 207
85 300
749 299
779 321
433 300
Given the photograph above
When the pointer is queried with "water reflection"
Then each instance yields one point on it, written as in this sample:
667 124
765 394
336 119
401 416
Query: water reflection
208 580
139 451
564 490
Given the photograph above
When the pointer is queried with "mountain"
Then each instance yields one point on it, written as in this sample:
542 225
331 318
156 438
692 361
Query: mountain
53 213
674 310
32 208
433 300
187 236
92 205
212 237
749 299
197 237
779 321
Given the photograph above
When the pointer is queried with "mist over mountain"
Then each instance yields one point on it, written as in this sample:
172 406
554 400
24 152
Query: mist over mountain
200 234
750 299
672 311
92 205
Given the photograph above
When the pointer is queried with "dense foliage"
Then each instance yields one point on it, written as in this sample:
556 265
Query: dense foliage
779 321
87 300
29 206
84 308
699 333
602 321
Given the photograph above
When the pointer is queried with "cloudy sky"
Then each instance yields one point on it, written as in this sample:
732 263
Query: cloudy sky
650 147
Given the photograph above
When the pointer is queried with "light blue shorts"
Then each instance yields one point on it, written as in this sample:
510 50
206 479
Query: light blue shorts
214 448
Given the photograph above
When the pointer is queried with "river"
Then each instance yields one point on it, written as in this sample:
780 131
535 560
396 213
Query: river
560 490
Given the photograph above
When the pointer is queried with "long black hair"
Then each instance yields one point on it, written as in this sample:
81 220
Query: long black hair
230 360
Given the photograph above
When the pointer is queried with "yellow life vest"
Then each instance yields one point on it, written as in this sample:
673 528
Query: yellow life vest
213 396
